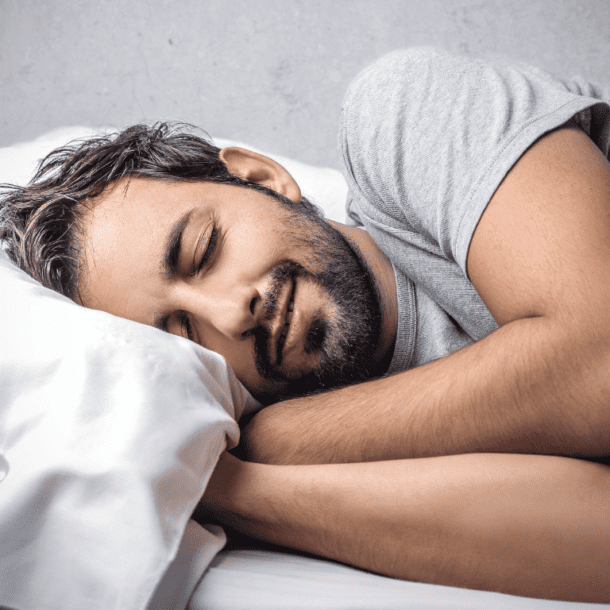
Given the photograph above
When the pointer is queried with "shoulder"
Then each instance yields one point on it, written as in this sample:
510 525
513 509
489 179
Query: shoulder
427 136
405 64
420 70
390 78
428 77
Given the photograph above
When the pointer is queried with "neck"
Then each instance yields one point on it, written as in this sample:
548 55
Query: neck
383 274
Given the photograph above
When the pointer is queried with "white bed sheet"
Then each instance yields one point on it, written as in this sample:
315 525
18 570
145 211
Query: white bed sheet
256 579
236 579
109 431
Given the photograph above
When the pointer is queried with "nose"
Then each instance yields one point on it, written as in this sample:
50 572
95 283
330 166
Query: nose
229 310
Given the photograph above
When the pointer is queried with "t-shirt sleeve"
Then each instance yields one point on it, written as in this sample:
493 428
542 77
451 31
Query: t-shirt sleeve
428 136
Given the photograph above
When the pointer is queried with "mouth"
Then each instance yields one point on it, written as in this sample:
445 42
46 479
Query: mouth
287 316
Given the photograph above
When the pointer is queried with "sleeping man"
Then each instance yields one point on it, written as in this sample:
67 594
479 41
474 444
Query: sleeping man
438 385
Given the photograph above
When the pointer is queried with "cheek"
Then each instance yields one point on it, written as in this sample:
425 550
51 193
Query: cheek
260 240
240 357
253 254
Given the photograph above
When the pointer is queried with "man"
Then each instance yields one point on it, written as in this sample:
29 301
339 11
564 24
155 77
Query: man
470 318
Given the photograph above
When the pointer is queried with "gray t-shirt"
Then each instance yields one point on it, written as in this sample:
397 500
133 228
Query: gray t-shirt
426 138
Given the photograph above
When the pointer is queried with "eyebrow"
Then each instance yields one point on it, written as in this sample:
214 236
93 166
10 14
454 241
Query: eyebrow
172 247
171 256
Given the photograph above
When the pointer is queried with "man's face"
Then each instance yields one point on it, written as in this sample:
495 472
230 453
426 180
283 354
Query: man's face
281 295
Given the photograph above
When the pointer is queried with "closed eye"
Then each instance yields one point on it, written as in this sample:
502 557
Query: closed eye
208 252
185 326
176 324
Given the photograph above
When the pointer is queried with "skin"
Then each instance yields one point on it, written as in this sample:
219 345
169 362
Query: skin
534 525
125 233
527 525
540 259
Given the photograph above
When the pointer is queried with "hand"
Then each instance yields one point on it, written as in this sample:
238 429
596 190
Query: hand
223 485
270 428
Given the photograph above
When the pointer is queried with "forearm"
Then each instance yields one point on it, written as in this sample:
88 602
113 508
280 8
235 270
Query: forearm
530 387
527 525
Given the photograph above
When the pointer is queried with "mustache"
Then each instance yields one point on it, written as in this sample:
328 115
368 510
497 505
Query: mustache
342 339
288 270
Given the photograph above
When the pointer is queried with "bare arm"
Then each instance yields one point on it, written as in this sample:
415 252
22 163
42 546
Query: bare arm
540 259
527 525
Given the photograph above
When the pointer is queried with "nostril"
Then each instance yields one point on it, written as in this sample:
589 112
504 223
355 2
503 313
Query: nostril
252 305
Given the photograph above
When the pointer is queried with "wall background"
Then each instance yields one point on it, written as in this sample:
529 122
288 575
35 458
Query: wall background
268 72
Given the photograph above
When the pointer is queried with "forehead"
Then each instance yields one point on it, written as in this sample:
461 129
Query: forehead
125 233
135 210
138 199
126 228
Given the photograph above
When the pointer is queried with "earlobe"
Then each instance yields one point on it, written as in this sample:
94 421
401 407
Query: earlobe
257 168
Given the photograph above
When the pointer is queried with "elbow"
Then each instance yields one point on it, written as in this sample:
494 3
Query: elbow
286 434
583 381
265 440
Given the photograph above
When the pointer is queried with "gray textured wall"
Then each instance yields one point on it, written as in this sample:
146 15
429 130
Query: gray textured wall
268 72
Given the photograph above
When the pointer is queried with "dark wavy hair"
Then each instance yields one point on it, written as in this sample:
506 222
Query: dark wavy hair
40 223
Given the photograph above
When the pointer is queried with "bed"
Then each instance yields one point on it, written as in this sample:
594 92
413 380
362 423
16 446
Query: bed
109 431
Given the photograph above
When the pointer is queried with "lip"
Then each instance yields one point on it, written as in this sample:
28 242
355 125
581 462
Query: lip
299 324
287 327
279 331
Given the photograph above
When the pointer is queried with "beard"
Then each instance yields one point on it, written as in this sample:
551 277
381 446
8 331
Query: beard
343 336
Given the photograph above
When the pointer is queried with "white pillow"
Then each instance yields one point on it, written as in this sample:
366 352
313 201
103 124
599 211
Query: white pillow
109 431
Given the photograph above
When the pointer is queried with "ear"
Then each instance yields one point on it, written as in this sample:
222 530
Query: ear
257 168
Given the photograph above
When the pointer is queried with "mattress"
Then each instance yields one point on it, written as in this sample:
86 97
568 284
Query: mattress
242 576
275 579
